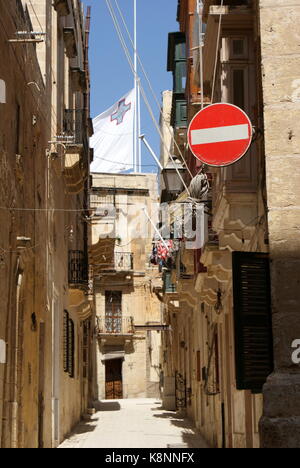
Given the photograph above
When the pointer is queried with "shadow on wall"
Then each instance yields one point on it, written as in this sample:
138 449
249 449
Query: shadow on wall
107 406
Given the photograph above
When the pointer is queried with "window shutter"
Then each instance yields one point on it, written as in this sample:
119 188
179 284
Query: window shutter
71 348
252 319
65 341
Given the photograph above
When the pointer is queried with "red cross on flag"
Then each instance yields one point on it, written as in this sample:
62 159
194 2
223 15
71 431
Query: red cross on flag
113 137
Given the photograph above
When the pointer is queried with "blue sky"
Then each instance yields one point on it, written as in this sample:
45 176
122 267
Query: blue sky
110 72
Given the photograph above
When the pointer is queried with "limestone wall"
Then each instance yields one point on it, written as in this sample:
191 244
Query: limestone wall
280 48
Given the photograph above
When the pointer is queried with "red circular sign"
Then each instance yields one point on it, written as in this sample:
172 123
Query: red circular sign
220 134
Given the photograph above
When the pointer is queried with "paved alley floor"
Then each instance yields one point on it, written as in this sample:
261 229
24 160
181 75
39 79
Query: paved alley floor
134 424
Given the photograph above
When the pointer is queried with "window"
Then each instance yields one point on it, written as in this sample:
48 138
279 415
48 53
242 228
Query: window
239 48
239 87
69 345
180 77
181 113
252 320
113 311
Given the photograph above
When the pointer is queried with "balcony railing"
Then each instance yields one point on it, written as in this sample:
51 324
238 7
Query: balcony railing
78 268
75 125
115 325
122 261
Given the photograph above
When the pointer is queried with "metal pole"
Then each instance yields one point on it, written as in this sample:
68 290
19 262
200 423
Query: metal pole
200 10
136 157
143 139
139 129
155 229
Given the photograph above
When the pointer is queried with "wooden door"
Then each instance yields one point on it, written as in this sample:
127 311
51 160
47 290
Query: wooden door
113 380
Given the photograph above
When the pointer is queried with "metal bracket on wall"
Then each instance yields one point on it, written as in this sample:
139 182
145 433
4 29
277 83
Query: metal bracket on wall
28 37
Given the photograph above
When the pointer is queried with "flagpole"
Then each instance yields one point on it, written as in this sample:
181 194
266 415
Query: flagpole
139 129
136 145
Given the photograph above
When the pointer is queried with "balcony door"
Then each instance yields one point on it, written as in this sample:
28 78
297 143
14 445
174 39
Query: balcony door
113 312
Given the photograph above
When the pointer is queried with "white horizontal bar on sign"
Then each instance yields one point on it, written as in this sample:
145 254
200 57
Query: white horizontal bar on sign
220 134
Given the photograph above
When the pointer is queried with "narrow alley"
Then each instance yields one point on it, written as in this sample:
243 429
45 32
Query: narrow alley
150 427
149 226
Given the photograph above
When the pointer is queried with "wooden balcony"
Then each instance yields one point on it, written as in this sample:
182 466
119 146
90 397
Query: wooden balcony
62 7
78 269
70 42
78 79
77 149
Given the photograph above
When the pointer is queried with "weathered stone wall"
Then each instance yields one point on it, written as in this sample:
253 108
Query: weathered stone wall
34 91
23 137
140 368
280 48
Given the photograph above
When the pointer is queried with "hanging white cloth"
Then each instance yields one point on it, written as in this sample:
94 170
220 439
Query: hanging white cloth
113 137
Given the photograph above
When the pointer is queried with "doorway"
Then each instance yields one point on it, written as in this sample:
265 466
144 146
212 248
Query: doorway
113 379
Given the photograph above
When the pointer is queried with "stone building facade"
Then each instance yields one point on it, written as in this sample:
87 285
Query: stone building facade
218 300
128 312
45 329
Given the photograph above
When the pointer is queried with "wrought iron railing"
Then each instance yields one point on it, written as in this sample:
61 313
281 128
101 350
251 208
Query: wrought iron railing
180 391
115 325
122 261
75 125
78 268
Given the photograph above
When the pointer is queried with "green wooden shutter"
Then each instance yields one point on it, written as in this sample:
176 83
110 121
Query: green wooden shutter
252 319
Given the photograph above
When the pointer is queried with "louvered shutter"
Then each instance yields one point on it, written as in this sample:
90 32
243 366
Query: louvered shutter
65 341
252 319
71 348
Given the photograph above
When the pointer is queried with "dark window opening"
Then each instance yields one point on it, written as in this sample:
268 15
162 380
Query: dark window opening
252 319
239 88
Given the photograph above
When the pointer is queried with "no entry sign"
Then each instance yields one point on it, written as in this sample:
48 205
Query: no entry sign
220 134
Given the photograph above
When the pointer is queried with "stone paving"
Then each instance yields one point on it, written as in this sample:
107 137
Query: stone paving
137 423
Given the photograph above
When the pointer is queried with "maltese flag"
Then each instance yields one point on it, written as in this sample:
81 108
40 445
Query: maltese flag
113 137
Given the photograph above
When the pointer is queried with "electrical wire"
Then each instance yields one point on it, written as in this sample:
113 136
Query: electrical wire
35 14
217 52
124 164
17 251
24 75
151 87
129 59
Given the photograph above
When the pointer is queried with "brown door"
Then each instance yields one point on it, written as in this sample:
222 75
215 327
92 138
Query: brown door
113 380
